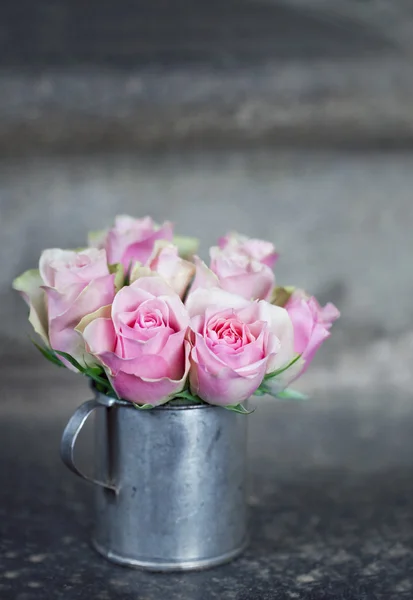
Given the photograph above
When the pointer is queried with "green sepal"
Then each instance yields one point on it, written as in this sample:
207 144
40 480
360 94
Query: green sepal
265 390
187 246
187 395
48 354
279 371
260 392
120 279
281 295
143 406
100 380
96 370
70 360
95 373
239 408
96 238
289 394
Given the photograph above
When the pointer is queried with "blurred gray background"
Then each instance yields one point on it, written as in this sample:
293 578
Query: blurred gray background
290 121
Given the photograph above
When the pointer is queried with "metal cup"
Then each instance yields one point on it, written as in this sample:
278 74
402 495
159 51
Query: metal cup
170 483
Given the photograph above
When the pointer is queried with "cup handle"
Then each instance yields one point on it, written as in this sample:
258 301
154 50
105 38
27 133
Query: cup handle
72 430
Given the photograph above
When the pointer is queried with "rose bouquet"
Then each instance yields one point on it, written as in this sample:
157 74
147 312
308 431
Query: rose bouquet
139 313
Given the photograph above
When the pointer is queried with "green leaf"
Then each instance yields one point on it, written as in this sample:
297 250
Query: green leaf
96 238
89 372
101 380
289 394
238 408
187 395
102 385
71 360
260 391
29 284
276 373
187 246
96 373
281 295
111 393
268 387
95 369
48 354
143 406
119 272
100 388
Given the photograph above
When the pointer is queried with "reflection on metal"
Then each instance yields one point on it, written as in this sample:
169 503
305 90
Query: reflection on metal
178 473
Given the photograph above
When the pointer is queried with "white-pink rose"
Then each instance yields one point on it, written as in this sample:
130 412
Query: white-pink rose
131 240
235 273
258 250
240 274
166 263
140 340
68 286
235 344
311 324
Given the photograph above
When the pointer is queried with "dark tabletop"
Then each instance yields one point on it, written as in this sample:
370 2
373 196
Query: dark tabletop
331 495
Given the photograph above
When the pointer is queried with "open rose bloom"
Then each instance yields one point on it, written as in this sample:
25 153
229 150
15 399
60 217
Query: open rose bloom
149 321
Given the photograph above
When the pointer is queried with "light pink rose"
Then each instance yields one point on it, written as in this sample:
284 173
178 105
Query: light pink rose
235 344
67 286
140 340
258 250
166 263
131 240
236 273
311 324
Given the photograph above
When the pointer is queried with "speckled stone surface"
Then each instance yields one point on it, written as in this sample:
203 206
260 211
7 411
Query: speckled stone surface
331 494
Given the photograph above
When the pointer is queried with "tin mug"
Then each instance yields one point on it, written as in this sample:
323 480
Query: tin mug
170 483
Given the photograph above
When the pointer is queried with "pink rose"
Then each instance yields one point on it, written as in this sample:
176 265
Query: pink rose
68 286
166 263
236 273
258 250
131 240
140 340
240 274
235 344
311 324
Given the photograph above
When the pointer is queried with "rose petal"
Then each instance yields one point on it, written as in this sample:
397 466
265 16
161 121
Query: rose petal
141 250
142 390
29 284
61 327
319 334
61 269
202 299
225 387
176 271
280 326
99 335
250 285
303 322
204 277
